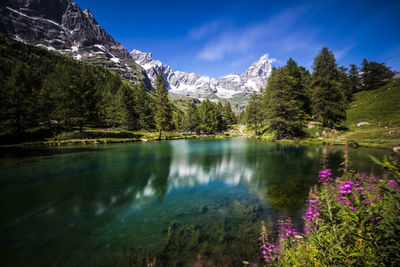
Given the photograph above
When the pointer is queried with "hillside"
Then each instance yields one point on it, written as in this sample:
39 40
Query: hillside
380 108
379 113
43 92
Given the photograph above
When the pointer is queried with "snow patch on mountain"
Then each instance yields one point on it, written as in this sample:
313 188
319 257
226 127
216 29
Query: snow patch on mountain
195 85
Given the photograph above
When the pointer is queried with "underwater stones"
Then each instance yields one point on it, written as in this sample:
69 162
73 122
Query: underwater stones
203 209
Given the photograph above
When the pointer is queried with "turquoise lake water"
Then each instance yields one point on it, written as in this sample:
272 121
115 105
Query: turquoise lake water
167 203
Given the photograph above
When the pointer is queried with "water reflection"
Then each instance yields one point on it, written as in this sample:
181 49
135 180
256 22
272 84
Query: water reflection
138 174
99 200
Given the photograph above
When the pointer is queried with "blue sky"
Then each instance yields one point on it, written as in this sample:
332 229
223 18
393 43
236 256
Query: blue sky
216 38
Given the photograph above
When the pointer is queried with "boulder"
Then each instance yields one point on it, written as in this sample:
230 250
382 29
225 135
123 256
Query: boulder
363 123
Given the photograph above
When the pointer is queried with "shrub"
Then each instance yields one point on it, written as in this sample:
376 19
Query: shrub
352 220
95 135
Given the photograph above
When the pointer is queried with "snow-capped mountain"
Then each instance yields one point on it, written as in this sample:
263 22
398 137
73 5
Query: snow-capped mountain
61 25
194 85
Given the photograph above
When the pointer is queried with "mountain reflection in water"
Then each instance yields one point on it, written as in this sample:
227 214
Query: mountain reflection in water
87 206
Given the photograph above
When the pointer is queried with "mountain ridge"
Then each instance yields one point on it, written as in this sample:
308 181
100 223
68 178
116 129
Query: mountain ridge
61 25
195 85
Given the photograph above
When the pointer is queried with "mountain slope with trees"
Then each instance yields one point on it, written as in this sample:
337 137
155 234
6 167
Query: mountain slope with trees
45 91
45 95
294 99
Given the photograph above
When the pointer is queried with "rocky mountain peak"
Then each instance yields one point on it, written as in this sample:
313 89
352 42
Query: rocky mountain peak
195 85
89 14
264 57
61 25
259 68
144 58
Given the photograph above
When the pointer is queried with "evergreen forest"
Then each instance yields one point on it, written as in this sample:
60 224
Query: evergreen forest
43 94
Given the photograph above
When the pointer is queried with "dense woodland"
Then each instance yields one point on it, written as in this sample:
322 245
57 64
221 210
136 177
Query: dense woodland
293 95
44 93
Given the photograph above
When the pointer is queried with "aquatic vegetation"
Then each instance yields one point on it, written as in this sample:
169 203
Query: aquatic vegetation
350 220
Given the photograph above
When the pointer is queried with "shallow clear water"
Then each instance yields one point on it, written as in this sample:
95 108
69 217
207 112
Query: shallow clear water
168 202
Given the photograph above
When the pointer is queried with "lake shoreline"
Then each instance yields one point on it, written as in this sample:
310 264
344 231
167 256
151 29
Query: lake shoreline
153 136
105 141
330 142
333 143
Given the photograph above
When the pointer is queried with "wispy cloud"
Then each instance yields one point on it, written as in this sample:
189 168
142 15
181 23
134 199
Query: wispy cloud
207 29
234 42
339 54
278 33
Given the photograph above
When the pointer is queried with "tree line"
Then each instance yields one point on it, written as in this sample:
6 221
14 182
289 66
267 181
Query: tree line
293 95
44 91
205 118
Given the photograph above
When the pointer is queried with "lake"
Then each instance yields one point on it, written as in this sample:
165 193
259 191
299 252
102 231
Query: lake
170 203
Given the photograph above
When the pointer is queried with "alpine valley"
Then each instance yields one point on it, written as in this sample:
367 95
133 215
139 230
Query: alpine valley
61 25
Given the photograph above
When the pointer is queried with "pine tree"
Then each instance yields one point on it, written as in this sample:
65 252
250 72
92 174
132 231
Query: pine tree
345 83
87 95
208 116
130 117
328 100
192 118
284 101
177 121
354 78
61 84
111 106
221 125
143 108
17 101
301 83
115 109
374 75
242 118
253 111
163 111
229 116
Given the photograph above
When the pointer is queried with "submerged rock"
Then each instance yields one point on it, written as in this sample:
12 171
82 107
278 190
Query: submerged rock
203 209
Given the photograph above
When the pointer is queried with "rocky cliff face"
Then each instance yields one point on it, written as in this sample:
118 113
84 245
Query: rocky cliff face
194 85
62 26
